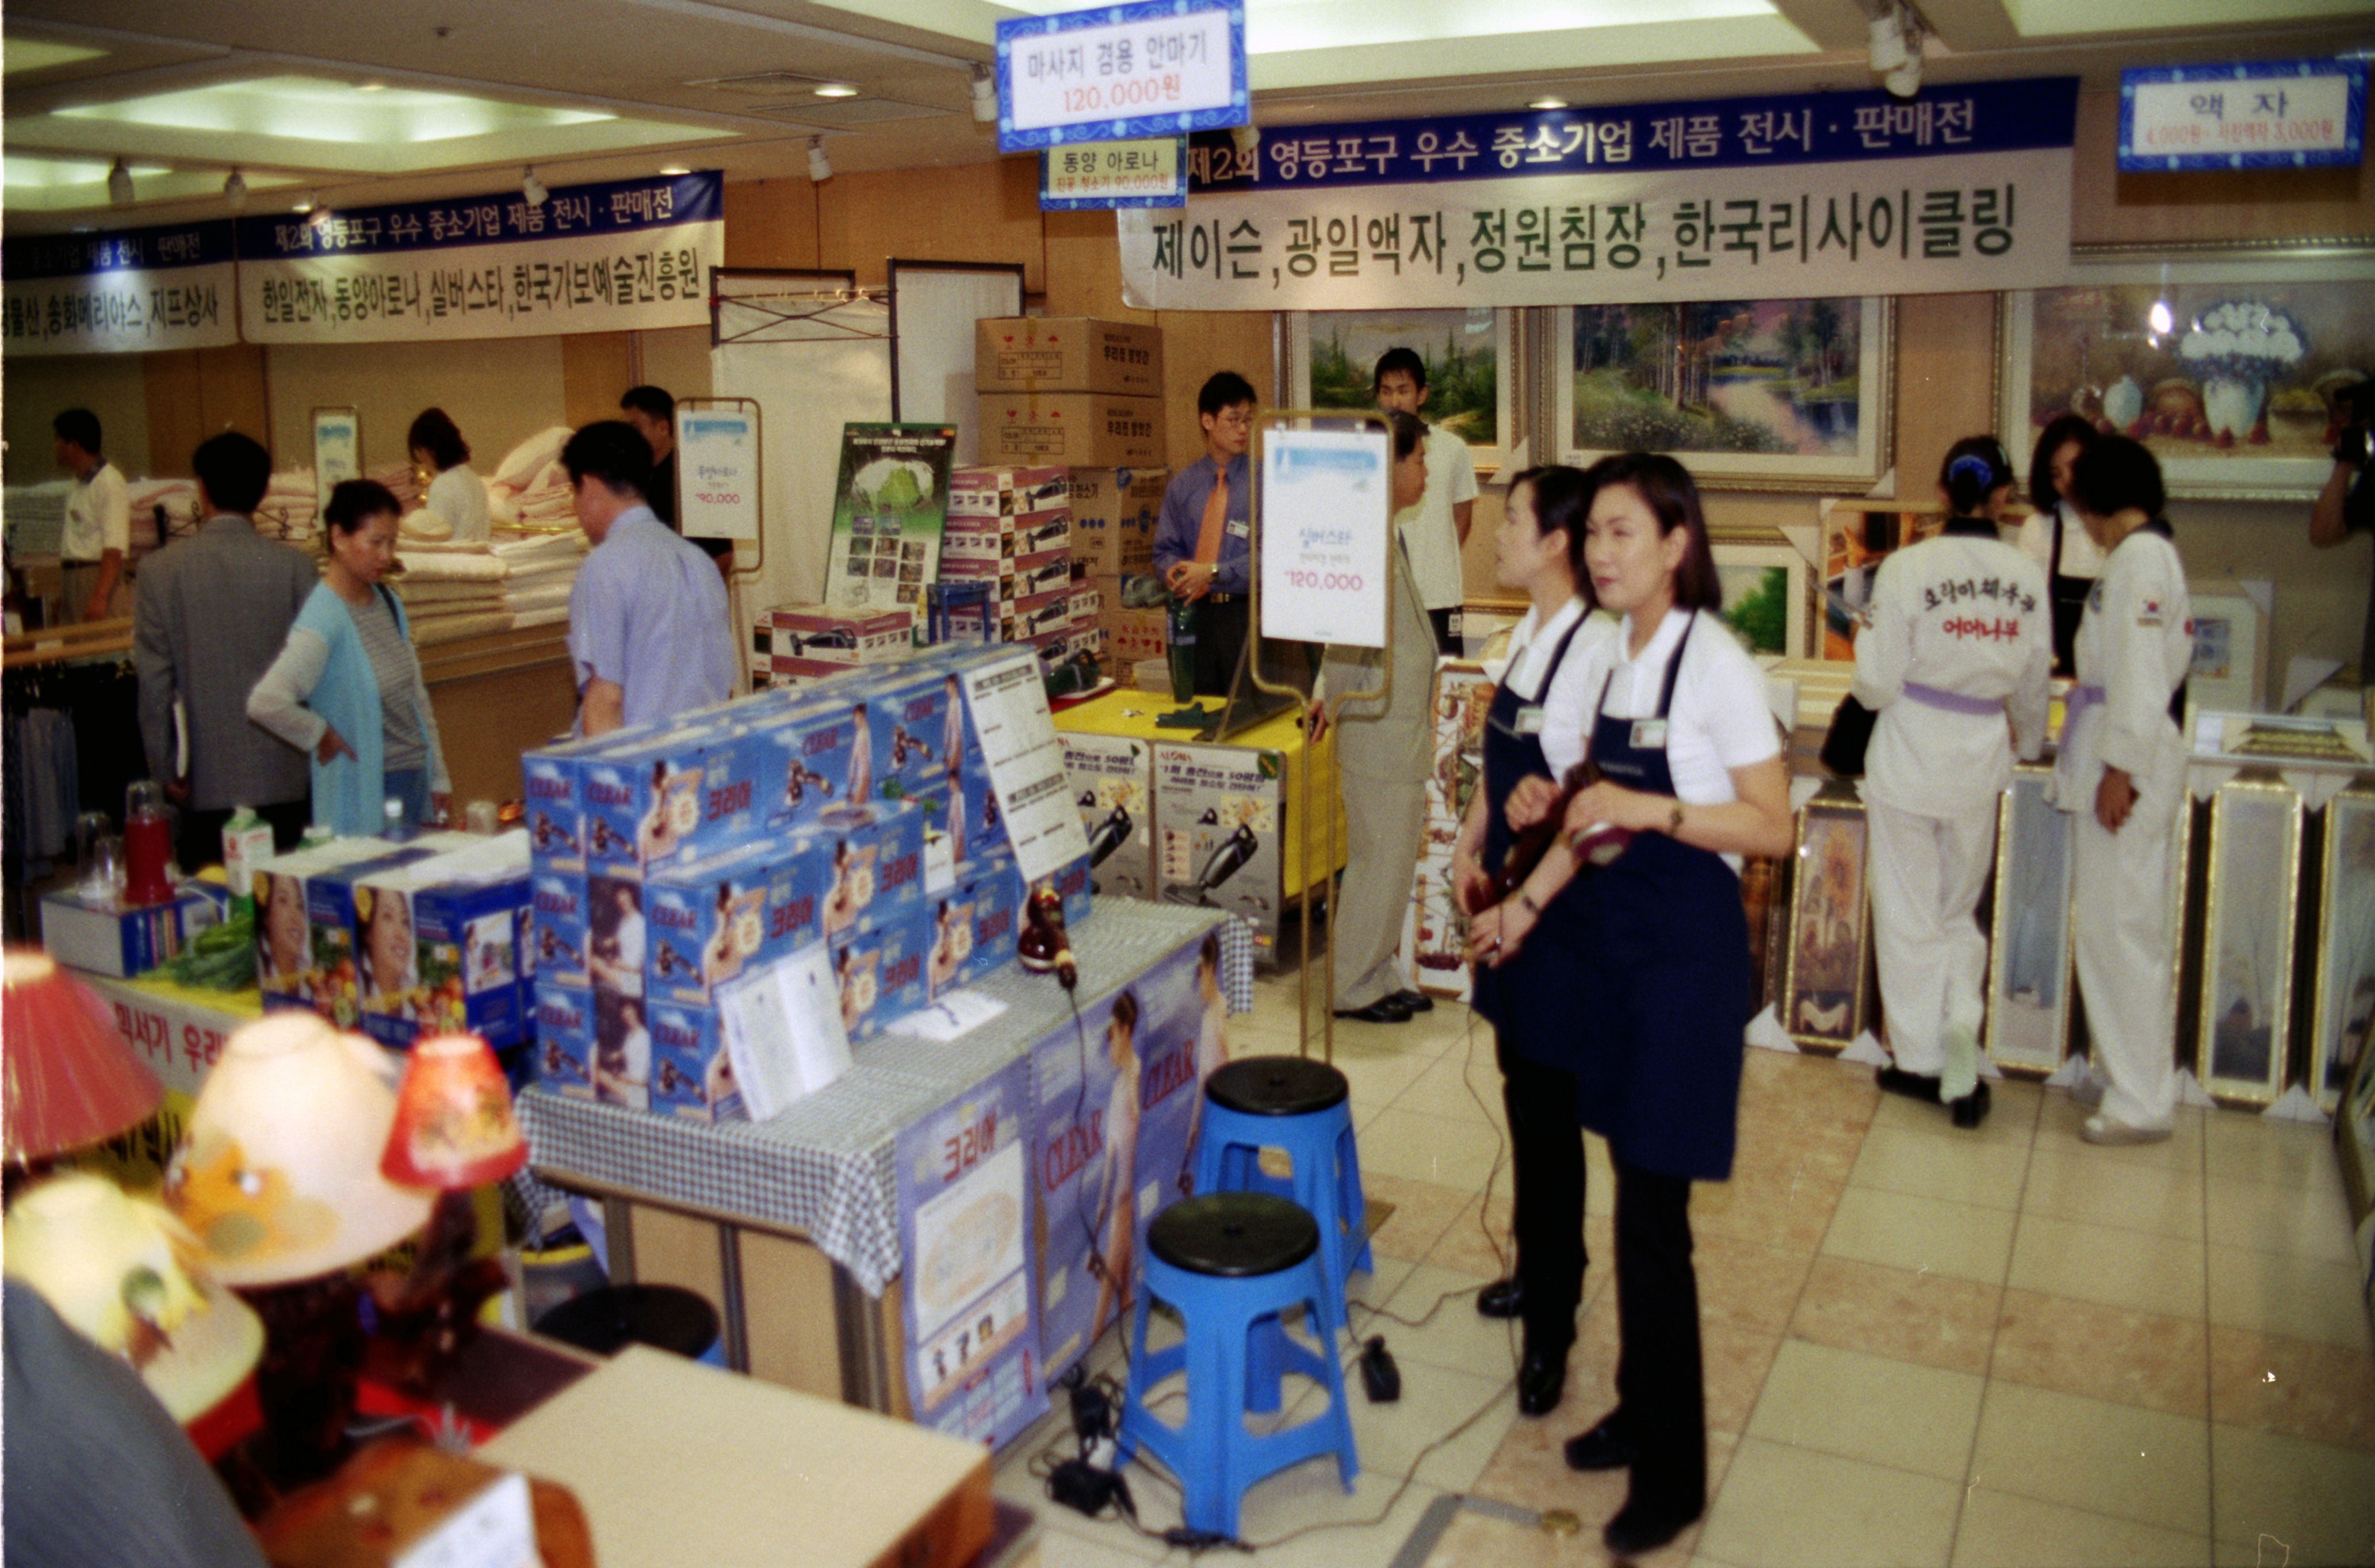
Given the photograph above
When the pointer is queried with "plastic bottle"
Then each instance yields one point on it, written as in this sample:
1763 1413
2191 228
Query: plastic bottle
246 841
147 845
393 827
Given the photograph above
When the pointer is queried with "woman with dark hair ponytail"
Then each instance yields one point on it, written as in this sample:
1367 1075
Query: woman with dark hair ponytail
1958 640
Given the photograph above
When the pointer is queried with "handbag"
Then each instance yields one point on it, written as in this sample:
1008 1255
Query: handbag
1850 734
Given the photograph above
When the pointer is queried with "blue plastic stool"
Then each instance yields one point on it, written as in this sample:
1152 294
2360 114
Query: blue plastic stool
1304 1107
1232 1263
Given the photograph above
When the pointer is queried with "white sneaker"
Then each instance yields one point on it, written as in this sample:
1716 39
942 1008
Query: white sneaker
2100 1129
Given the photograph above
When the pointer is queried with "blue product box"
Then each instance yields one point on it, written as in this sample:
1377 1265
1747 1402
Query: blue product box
696 791
916 712
340 925
554 947
881 972
555 801
458 913
974 924
618 933
690 1075
124 942
868 867
564 1039
712 920
810 761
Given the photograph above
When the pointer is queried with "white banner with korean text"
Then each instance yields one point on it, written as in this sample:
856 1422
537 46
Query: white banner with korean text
631 255
1950 224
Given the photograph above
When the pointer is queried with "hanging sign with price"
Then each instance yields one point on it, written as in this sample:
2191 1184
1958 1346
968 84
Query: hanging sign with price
717 472
1159 68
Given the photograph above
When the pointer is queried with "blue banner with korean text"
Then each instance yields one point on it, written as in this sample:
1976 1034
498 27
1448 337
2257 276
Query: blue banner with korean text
131 290
1968 188
629 255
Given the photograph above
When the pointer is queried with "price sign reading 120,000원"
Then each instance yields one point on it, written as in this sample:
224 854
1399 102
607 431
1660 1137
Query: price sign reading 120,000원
1160 67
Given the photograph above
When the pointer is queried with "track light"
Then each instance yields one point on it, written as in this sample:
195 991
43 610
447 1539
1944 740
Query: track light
984 94
531 187
1897 35
1906 80
820 166
1887 38
119 185
235 191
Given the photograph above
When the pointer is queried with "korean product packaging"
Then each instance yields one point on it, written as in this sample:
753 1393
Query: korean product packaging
459 915
564 1038
712 921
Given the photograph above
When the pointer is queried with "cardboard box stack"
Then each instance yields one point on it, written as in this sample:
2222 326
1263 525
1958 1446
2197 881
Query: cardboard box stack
1012 530
1114 515
1068 391
672 861
796 646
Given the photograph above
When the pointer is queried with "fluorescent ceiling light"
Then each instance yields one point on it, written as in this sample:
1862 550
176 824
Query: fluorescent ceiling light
312 108
673 170
1548 104
1278 27
837 89
38 55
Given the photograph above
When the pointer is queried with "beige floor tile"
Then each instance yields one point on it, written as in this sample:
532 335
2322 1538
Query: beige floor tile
1928 1165
1110 1544
1487 1541
1451 1152
2148 1359
2011 1117
1999 1528
1960 1239
1460 1084
1310 1494
1482 1248
1862 1406
1734 1364
2302 1297
1927 1318
2082 1453
1422 1210
1778 1208
2104 1263
1786 1507
2310 1218
1455 1336
2246 1146
2298 1388
1530 1472
1749 1286
2060 1118
2070 1182
2293 1500
1419 1428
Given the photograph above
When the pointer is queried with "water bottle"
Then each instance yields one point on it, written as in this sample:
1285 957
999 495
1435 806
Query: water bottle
393 826
1182 619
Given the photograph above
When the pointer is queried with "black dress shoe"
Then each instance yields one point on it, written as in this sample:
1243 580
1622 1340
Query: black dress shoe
1385 1010
1416 1001
1913 1086
1502 1298
1542 1379
1638 1529
1972 1108
1604 1447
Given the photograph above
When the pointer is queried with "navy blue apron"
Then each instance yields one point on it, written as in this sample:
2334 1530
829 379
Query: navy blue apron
1651 955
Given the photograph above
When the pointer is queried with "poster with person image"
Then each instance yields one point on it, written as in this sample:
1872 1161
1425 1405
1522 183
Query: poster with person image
1117 1096
2346 947
889 507
2247 950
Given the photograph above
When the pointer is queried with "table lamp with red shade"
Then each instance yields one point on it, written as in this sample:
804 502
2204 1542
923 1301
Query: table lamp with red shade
71 1081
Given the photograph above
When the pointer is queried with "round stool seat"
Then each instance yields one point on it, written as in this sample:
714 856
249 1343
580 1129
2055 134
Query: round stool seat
607 1320
1232 1235
1277 1086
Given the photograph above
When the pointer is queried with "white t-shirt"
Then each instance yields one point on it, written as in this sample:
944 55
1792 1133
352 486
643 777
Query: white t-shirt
1718 721
460 496
99 517
1429 531
1566 707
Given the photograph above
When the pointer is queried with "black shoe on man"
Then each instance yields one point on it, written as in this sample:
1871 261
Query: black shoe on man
1502 1298
1604 1447
1542 1378
1385 1010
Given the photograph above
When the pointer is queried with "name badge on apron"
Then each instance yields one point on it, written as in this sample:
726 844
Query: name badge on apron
1648 735
1240 527
1530 720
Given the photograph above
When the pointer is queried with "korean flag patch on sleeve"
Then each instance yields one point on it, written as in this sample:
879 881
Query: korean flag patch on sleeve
2149 612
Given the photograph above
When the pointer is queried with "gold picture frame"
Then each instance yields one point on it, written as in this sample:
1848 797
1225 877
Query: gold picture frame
2342 1014
2248 938
2032 973
1830 935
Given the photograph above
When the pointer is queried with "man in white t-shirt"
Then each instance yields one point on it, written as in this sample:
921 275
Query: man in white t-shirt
1437 527
97 534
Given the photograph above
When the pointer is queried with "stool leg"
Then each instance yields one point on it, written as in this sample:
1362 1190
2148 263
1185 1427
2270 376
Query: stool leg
1350 1201
1264 1363
1215 1371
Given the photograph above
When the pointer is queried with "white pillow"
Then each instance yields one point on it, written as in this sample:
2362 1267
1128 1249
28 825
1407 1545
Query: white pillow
531 455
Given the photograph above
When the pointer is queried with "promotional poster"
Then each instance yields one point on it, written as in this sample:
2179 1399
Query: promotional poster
890 506
1219 811
1112 781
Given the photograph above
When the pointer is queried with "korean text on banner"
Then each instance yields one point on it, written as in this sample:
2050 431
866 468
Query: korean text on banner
131 291
1326 521
1156 68
1844 193
631 255
2267 114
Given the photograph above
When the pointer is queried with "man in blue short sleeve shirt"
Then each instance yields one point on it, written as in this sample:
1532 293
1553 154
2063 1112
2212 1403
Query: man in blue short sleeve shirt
647 620
1203 544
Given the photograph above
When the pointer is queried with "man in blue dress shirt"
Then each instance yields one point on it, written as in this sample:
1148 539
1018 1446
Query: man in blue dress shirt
647 620
1204 546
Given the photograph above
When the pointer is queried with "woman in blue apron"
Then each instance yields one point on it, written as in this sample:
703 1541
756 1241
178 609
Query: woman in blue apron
1535 730
1636 914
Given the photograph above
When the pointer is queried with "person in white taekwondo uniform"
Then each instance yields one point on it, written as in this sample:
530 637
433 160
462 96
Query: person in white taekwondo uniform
1958 638
2121 772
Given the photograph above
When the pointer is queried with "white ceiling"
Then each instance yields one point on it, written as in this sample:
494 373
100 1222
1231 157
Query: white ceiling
429 97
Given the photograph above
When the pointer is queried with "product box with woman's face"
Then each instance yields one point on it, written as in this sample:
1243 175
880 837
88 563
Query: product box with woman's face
870 870
459 913
883 974
318 886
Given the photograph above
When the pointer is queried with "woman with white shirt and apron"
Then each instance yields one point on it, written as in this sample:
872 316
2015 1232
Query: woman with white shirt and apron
1635 919
1957 638
2053 537
2120 772
1541 709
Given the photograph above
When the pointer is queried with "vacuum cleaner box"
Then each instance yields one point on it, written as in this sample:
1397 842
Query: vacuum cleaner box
556 929
713 919
1113 781
881 972
564 1038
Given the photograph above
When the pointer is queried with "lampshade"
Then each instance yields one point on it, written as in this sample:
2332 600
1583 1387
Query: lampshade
453 1121
278 1175
115 1267
71 1079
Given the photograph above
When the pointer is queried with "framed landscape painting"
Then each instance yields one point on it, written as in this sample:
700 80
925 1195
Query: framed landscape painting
1332 357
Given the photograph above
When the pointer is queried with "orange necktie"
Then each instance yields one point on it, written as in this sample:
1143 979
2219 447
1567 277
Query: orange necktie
1216 520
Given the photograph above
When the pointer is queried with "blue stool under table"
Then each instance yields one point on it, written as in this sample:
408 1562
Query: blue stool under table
1304 1108
1232 1263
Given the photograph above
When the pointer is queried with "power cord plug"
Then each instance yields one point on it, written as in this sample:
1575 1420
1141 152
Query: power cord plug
1380 1379
1080 1485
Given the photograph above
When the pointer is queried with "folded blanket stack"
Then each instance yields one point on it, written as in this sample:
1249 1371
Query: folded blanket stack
291 508
529 490
177 498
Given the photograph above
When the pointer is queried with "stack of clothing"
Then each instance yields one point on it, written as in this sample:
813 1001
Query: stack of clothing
403 481
177 498
529 490
452 591
291 508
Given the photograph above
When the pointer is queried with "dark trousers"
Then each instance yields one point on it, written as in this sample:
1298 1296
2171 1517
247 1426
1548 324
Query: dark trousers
1546 1189
1658 1387
1219 640
199 842
1447 630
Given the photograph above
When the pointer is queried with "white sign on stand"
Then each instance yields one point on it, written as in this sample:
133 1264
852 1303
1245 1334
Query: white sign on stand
1326 524
717 472
1008 701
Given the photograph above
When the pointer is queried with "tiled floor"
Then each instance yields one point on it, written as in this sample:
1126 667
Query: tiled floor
1923 1346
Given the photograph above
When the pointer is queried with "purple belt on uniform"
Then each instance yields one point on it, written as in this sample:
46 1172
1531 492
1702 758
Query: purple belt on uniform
1953 703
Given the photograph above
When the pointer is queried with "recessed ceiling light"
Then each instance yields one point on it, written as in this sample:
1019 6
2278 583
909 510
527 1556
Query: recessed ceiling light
371 86
837 89
1548 104
673 170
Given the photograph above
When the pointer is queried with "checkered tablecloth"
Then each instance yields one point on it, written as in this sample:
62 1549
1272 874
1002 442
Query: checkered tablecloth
824 1166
